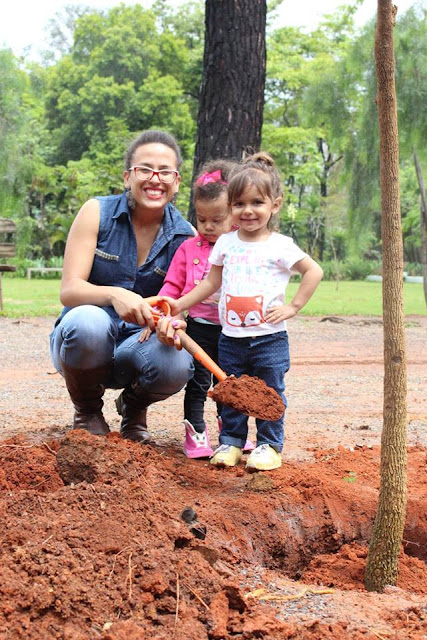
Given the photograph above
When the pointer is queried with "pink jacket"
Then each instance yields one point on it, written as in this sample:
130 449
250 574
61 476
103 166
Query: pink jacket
188 267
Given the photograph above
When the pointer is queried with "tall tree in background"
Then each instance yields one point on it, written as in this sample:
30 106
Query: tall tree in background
232 90
387 534
411 82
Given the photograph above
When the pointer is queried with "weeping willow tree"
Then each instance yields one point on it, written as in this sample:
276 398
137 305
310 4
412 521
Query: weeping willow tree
387 534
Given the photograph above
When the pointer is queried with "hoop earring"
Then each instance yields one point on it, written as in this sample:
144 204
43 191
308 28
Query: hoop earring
130 199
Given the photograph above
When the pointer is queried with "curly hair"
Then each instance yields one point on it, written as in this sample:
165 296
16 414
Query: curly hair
152 136
212 180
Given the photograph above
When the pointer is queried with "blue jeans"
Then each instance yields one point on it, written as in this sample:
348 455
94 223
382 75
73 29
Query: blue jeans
87 337
266 357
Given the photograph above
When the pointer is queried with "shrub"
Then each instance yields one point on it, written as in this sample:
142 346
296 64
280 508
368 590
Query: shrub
332 269
357 269
414 269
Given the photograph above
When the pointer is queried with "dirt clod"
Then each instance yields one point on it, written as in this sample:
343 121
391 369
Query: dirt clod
251 396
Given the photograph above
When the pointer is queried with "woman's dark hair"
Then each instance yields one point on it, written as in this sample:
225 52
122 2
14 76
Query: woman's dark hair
212 180
258 170
148 137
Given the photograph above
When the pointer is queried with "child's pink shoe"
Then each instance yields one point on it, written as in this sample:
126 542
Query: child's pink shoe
196 444
249 445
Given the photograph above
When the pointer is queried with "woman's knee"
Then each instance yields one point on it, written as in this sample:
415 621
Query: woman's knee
173 375
167 375
86 337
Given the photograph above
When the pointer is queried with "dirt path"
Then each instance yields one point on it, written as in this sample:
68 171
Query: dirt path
94 545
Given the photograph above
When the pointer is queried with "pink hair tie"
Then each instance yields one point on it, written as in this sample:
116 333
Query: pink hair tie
214 176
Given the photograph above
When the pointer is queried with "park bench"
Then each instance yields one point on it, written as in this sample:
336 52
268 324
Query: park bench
7 248
42 270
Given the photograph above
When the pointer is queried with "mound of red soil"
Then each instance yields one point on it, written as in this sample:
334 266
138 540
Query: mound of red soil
103 538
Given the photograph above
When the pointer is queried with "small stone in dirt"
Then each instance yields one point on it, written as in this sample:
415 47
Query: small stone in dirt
260 482
332 319
188 515
199 531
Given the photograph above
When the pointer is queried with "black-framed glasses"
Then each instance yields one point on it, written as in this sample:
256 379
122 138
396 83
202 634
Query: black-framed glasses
146 173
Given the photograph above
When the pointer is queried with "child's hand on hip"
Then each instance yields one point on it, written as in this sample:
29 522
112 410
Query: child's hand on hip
274 315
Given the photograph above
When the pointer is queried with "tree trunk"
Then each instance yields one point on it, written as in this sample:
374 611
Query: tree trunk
423 219
382 563
232 90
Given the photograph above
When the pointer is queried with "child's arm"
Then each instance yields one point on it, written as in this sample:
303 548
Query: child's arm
173 284
312 274
206 288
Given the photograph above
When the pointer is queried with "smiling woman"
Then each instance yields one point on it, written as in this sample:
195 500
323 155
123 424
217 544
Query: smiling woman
117 254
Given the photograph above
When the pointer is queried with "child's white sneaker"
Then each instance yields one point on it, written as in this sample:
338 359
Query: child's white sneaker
226 456
264 458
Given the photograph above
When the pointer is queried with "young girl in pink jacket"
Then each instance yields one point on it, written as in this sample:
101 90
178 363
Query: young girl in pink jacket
190 265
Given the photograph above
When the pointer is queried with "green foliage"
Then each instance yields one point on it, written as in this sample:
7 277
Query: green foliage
350 477
414 269
14 123
65 125
332 270
357 269
120 66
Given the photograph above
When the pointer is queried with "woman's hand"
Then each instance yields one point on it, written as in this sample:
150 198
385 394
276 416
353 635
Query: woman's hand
132 308
167 328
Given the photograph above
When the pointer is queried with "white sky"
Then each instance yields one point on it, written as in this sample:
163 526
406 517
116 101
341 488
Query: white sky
23 25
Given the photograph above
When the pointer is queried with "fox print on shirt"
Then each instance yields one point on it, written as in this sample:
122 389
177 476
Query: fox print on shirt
242 311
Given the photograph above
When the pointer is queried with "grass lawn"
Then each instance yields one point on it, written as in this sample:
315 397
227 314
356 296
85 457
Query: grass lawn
40 297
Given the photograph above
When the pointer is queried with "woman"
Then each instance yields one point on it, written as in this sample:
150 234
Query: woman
118 251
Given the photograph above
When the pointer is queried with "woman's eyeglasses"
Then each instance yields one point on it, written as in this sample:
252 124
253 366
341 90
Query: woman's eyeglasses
146 173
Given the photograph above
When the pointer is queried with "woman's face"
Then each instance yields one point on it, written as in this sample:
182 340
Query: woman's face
152 194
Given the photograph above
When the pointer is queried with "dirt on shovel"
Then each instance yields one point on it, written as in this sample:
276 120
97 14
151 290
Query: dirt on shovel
249 395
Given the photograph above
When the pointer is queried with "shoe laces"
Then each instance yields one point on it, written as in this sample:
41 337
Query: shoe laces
262 448
222 448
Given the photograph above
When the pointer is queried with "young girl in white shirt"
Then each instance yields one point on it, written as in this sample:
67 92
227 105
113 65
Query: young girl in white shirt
252 266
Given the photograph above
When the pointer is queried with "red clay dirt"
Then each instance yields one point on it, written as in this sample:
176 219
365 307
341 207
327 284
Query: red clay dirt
249 395
103 538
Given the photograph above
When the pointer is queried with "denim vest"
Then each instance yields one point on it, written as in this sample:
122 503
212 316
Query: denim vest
116 262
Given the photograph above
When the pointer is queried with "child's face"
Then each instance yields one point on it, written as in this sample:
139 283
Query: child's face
252 211
213 217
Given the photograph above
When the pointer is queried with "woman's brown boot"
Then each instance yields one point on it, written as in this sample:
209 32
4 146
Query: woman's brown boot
86 388
132 405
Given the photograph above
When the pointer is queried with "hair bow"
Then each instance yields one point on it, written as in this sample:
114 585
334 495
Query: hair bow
214 176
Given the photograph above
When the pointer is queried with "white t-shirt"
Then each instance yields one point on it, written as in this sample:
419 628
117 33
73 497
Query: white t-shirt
254 277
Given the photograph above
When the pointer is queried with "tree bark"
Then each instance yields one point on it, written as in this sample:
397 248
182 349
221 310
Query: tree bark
423 219
382 563
232 90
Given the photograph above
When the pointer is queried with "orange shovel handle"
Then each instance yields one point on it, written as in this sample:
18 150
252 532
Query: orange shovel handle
200 355
188 343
